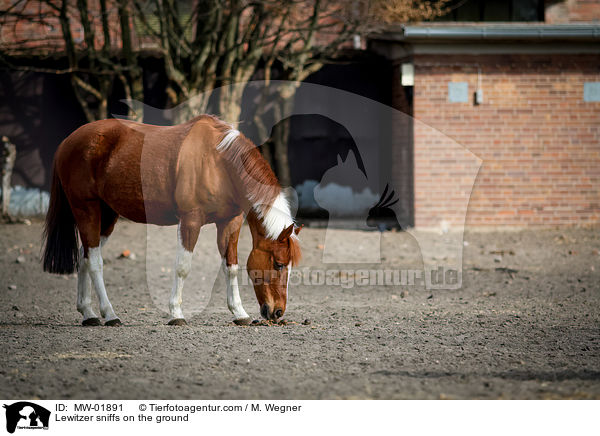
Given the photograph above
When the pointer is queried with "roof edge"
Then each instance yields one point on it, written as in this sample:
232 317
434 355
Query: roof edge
491 32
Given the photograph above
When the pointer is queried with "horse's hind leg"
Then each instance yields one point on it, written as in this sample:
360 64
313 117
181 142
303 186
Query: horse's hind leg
84 293
108 219
84 284
88 217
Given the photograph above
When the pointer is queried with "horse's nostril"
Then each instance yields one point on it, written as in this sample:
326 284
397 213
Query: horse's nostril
264 311
278 313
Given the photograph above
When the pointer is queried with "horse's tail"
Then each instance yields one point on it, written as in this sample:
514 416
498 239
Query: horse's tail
60 232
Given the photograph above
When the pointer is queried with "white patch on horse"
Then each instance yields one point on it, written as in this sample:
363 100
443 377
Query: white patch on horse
277 218
84 288
234 302
95 270
228 139
287 283
84 284
183 266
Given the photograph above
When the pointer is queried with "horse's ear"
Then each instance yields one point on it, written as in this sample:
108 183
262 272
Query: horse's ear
285 233
297 229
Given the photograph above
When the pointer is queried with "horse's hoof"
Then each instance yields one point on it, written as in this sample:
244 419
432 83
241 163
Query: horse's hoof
113 323
91 322
243 321
177 321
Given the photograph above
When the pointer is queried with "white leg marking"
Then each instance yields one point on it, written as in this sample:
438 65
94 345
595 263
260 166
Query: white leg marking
183 266
234 302
95 268
84 288
84 285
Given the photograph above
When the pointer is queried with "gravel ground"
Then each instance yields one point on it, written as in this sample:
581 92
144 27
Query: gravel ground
525 324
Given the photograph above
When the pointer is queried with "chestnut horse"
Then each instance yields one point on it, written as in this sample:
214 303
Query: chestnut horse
199 172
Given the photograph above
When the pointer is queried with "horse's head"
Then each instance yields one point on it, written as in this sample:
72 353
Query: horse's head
269 266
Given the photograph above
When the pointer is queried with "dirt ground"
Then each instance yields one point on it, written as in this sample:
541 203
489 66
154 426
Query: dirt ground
526 324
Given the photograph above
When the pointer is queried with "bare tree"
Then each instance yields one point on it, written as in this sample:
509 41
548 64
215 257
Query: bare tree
204 44
90 35
326 31
207 44
219 43
404 11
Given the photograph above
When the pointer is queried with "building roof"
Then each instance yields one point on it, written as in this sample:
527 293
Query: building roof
472 32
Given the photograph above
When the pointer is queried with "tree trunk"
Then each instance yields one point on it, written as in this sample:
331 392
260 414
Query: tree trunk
132 80
191 108
281 134
263 134
267 154
230 102
9 154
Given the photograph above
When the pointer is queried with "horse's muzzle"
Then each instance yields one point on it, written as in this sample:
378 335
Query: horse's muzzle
268 314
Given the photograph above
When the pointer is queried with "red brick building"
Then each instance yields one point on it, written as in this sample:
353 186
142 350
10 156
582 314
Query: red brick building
535 125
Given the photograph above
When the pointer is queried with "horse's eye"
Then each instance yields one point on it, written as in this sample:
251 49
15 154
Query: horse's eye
279 266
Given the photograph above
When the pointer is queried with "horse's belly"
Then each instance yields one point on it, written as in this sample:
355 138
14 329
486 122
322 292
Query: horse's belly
135 206
148 212
161 214
141 199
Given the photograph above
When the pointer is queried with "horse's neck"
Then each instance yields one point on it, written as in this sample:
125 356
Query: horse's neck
253 177
256 228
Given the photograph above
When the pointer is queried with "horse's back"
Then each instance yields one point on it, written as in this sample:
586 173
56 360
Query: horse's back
129 166
82 157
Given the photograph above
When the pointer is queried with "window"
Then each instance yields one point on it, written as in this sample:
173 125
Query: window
495 10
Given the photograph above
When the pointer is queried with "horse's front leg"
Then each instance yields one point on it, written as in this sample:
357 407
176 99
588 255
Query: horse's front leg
227 240
187 235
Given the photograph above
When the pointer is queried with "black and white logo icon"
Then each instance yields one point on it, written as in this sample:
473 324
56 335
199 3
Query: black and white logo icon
26 415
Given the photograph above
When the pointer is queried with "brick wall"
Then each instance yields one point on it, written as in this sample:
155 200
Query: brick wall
538 140
572 11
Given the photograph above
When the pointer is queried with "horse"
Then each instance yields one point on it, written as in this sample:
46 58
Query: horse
199 172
